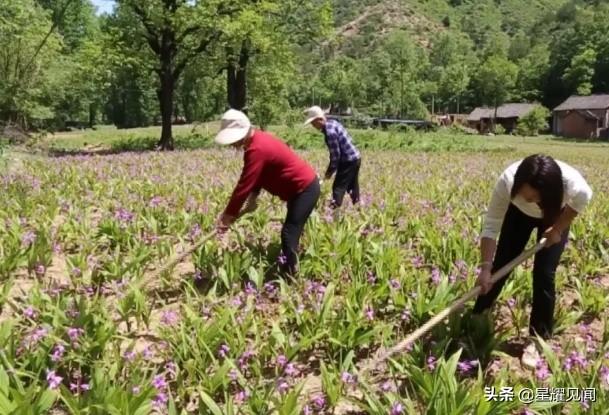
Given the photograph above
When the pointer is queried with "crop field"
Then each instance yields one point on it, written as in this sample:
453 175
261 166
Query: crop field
85 327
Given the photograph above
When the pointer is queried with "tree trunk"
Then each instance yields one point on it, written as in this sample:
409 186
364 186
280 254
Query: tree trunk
92 115
236 80
165 94
494 119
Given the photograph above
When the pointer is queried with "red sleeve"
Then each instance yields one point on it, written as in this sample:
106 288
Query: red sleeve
248 182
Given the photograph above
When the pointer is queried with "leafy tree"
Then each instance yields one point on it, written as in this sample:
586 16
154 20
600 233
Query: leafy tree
581 71
266 26
480 20
520 46
75 20
176 31
29 47
532 74
398 67
496 79
451 61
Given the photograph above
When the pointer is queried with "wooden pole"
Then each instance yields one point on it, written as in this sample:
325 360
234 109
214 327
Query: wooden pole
455 306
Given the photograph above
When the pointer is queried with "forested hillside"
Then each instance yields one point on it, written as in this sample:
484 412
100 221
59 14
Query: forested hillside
61 63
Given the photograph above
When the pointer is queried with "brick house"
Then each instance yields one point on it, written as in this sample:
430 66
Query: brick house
582 117
508 115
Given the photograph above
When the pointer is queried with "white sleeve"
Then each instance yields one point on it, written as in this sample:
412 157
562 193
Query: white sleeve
579 191
500 201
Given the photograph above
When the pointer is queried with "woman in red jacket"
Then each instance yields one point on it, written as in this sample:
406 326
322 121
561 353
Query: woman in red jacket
271 165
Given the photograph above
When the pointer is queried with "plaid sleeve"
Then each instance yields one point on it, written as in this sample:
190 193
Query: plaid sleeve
333 141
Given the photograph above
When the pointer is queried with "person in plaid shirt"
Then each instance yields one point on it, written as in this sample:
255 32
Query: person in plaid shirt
345 159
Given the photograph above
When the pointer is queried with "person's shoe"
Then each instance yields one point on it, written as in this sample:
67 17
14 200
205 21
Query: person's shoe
530 355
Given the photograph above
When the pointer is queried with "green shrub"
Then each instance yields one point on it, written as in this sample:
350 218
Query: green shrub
534 122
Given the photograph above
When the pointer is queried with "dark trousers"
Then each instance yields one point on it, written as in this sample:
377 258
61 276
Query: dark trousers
299 210
346 180
515 233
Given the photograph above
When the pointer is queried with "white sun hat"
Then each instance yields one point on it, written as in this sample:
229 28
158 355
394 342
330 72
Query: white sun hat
234 127
314 113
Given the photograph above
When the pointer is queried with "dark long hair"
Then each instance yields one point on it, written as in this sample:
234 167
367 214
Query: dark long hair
543 174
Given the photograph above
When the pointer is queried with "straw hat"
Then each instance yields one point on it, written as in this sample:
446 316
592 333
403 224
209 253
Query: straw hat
314 113
234 127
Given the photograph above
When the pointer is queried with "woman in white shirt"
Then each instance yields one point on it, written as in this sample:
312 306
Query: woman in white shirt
537 192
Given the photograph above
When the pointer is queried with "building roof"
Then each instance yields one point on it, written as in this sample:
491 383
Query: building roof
512 110
590 102
478 114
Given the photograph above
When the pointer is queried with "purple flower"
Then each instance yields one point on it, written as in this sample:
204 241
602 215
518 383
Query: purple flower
74 333
282 259
431 363
319 401
585 405
237 302
371 278
241 397
129 356
156 201
348 378
395 284
466 366
159 382
436 278
169 318
76 272
406 315
282 386
511 302
76 388
290 370
281 360
27 239
461 266
418 262
250 289
369 313
542 372
397 409
223 350
123 215
148 353
53 379
270 289
29 312
245 358
160 399
58 352
604 372
233 374
386 387
452 278
33 338
575 359
135 390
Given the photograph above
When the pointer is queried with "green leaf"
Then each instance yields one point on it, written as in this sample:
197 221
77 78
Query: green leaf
4 382
6 406
210 404
46 401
